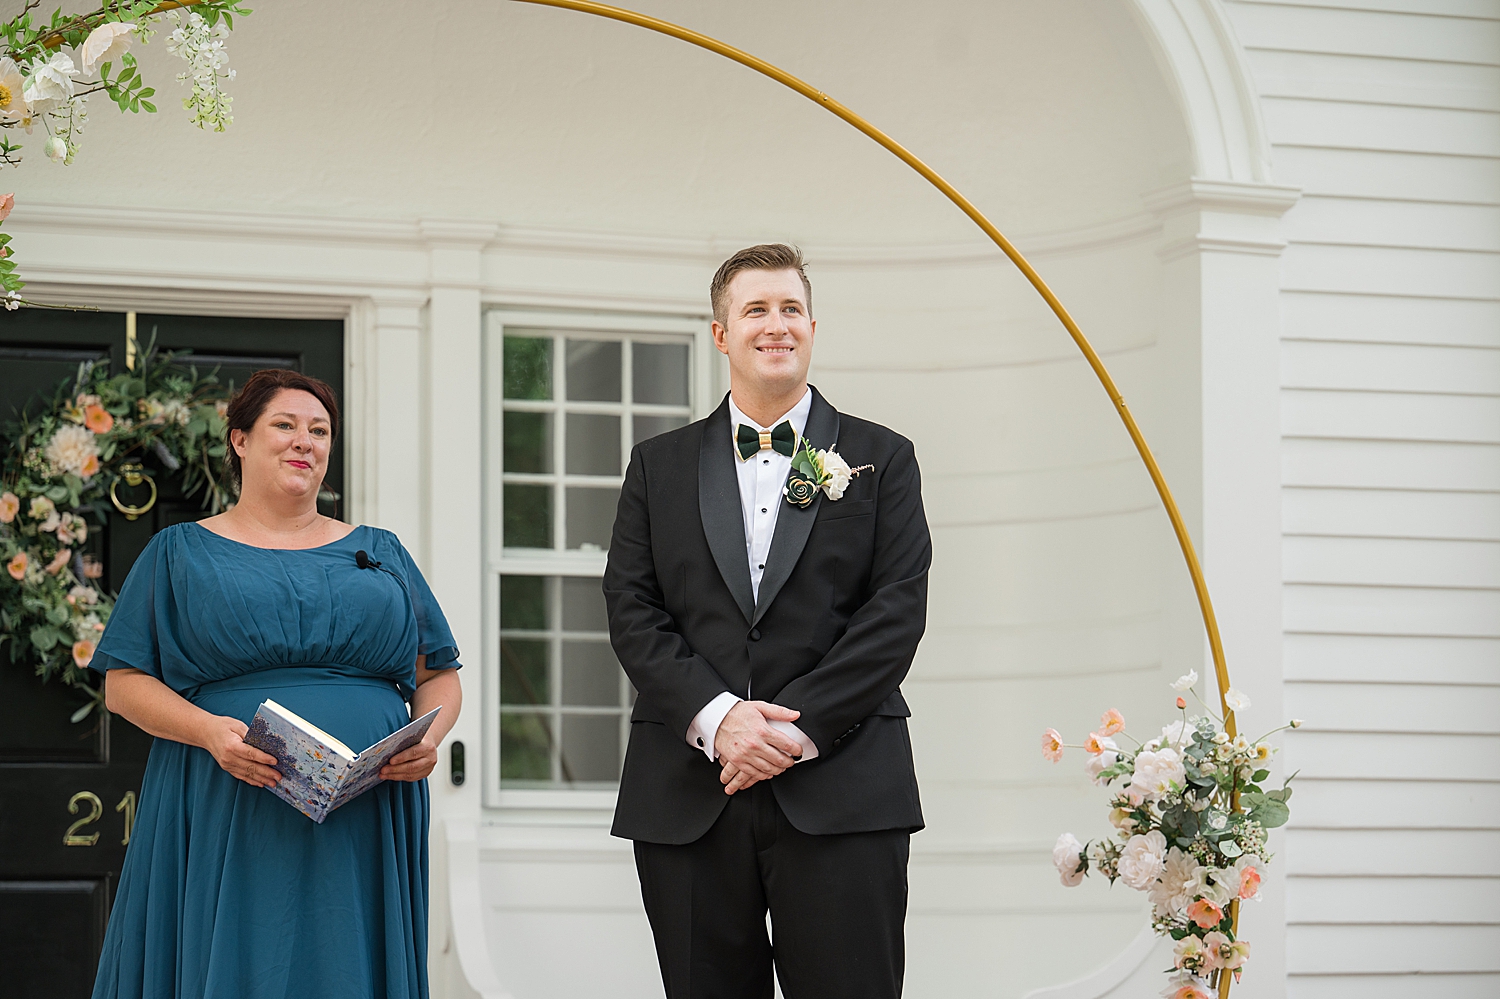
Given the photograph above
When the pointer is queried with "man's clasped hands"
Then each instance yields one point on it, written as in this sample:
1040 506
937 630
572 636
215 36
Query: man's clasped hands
750 749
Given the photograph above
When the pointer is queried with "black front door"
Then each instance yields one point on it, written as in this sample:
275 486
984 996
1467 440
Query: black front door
68 791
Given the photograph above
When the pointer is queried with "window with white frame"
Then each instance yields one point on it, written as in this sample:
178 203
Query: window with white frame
566 401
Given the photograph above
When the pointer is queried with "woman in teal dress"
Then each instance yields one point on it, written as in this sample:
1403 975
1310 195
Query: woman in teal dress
228 892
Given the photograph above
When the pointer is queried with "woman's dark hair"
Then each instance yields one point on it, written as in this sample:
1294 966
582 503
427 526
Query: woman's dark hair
256 394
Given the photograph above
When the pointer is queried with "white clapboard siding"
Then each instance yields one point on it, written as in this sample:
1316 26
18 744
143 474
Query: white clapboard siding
1387 114
1390 658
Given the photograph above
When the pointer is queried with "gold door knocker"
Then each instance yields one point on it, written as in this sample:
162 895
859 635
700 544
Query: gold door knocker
134 474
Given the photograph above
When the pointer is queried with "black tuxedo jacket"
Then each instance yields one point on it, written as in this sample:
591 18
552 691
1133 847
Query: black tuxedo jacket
843 603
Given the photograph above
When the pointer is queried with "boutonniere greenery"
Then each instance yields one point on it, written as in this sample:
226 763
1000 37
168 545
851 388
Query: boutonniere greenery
813 470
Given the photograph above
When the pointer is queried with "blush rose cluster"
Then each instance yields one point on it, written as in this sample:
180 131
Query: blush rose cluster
1190 814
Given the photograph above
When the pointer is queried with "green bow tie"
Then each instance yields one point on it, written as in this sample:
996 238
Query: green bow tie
748 440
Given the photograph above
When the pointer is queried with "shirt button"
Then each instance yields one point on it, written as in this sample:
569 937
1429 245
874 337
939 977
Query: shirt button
766 461
762 509
762 565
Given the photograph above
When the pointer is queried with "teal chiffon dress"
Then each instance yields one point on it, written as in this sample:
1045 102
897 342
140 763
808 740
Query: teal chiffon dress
227 891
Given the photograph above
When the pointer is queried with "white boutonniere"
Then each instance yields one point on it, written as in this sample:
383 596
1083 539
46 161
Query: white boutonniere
813 469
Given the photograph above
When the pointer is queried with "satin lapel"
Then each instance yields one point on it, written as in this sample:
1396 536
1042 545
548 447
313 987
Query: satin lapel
794 524
719 507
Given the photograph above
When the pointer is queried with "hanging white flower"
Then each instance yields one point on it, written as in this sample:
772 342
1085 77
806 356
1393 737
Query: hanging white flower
201 46
1236 700
106 43
51 83
56 149
1186 682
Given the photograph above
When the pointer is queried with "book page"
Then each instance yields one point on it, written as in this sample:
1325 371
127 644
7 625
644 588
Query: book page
364 773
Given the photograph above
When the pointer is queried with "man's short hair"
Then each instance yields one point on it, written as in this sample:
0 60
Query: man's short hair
765 257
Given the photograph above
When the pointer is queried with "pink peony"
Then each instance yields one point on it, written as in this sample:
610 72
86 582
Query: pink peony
1052 745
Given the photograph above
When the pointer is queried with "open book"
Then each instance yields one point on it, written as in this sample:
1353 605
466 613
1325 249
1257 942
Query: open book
318 772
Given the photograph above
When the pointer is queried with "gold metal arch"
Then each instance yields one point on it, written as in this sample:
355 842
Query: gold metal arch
1184 540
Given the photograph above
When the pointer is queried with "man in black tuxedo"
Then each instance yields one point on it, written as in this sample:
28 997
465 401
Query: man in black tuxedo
769 765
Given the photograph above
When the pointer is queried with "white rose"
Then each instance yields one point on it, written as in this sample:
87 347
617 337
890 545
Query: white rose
1236 700
1156 774
51 83
106 43
1067 857
1143 859
71 449
1186 682
1172 735
838 472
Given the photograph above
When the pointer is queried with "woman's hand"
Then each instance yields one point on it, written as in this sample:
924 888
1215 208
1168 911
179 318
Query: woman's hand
225 739
414 763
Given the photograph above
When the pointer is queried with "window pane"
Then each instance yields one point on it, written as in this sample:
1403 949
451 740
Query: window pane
591 747
525 747
593 444
659 373
528 442
583 605
590 675
594 370
523 603
591 516
528 367
528 516
647 427
523 671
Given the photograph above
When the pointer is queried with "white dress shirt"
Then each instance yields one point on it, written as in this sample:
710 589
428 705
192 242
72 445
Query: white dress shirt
761 479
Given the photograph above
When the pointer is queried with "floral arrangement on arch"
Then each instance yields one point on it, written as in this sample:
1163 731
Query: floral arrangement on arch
55 478
42 85
1190 818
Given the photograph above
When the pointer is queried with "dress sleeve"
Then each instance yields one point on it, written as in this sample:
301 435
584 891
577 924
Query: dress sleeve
434 637
130 638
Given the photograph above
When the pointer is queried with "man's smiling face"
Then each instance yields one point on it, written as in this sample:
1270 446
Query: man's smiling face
768 334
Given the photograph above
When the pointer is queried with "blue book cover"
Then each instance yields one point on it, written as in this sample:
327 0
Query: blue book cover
318 772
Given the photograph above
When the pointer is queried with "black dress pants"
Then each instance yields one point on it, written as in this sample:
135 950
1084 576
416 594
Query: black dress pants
837 904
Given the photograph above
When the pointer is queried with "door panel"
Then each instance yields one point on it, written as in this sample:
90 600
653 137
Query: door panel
59 868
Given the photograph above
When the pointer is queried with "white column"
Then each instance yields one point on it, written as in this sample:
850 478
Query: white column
1221 250
450 448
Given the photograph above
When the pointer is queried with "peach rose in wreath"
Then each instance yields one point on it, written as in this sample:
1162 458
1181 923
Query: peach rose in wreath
83 652
59 560
90 466
10 506
17 566
97 419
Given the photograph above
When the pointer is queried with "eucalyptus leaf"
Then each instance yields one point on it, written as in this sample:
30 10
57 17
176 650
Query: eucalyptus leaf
43 639
1230 848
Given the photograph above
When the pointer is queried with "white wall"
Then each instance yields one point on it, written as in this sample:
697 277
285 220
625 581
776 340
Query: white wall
1387 115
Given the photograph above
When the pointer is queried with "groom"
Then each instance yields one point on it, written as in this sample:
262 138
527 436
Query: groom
769 766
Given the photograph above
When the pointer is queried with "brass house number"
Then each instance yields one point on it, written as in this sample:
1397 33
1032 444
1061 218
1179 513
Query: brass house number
95 812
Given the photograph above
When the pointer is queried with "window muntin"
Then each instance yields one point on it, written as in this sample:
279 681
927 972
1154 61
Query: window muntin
573 403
